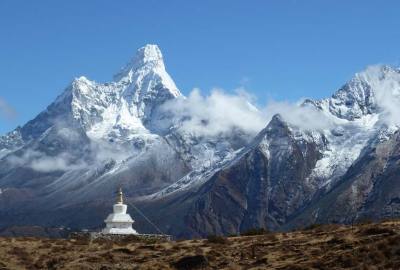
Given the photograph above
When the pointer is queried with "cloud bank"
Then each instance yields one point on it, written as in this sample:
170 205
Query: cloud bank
220 113
215 114
304 117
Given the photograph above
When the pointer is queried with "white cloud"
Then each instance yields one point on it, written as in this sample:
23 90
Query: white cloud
61 162
102 151
66 133
386 85
6 110
44 163
304 117
217 113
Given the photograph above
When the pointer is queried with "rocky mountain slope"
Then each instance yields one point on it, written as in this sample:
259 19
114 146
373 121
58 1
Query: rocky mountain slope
330 160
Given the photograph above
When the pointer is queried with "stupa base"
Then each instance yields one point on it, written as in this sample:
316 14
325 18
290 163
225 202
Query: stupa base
121 237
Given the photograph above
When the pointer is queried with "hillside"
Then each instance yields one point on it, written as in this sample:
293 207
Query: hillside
365 246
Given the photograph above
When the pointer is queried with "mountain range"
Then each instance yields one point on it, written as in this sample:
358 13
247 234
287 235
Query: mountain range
197 166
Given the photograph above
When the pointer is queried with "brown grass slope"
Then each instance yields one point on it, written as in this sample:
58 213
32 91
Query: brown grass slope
368 246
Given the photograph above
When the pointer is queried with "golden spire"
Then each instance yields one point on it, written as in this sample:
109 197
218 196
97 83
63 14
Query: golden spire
120 199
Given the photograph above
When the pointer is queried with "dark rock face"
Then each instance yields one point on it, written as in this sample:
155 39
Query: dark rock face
232 199
261 189
383 199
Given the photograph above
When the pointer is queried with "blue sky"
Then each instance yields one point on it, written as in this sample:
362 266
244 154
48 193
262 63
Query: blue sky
281 50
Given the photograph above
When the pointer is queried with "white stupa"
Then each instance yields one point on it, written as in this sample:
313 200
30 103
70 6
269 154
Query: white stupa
119 222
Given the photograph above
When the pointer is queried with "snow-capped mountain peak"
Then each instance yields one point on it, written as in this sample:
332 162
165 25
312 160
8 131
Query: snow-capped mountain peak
144 78
149 54
131 101
147 58
368 92
118 109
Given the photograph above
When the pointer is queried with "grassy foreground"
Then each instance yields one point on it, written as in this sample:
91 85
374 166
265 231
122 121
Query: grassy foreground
368 246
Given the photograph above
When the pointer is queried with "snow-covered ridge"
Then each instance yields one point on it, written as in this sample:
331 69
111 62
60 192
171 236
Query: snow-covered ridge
361 110
366 93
